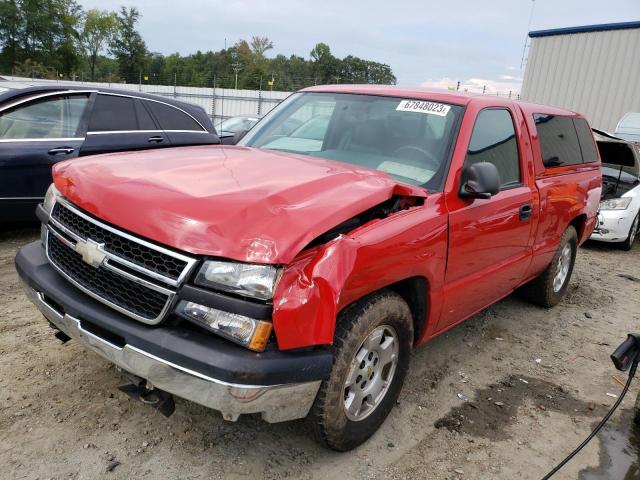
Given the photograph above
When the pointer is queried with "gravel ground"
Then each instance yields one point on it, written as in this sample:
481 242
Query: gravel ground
535 380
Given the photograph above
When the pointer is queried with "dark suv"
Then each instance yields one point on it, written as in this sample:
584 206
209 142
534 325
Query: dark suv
43 125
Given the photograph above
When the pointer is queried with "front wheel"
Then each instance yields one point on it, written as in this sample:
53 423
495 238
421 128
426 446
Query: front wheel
372 348
550 286
633 233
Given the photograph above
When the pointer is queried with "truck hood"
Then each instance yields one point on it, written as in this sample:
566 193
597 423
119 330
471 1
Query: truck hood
241 203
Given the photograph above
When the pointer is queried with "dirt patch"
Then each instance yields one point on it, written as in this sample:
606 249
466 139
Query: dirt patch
493 409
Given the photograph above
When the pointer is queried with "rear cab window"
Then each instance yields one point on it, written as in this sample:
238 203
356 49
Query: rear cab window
564 141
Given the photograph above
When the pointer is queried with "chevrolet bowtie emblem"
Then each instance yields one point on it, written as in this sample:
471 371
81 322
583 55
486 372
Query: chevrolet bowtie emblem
92 252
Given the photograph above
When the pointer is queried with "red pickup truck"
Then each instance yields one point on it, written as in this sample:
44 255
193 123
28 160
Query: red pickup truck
291 275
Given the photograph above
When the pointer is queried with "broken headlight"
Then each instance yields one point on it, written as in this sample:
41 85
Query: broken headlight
615 203
248 280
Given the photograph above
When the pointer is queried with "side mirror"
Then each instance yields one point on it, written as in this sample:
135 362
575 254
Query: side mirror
239 135
479 180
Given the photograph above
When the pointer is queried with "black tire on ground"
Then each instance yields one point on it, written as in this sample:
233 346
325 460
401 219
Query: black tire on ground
328 417
633 234
540 290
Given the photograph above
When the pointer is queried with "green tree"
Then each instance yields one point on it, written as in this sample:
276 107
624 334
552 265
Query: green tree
259 45
127 46
42 31
10 33
325 65
100 26
68 51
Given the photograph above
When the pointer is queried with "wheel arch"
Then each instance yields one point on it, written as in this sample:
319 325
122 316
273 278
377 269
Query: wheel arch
414 291
579 223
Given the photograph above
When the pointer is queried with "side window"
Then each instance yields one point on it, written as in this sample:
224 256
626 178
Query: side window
49 117
145 122
171 118
494 140
113 113
586 140
558 140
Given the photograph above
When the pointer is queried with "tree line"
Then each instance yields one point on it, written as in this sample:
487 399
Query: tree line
59 39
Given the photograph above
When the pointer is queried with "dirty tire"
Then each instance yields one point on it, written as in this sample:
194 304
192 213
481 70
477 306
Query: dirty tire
633 234
328 419
540 290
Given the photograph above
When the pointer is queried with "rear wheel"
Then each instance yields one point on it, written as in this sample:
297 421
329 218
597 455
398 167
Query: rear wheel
371 349
551 285
633 234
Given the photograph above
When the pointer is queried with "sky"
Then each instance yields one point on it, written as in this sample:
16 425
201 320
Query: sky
425 42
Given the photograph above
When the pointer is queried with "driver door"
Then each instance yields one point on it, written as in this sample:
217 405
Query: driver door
489 240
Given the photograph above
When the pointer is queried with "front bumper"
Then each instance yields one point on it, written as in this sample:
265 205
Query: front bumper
613 225
189 364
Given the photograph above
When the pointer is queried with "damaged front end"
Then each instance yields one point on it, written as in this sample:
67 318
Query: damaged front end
313 287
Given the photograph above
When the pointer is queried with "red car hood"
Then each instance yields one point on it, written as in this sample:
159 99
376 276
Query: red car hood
241 203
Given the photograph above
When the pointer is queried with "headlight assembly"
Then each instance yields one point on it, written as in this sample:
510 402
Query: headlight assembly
615 203
50 198
248 280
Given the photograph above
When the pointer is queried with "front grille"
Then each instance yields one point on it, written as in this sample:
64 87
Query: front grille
106 285
148 258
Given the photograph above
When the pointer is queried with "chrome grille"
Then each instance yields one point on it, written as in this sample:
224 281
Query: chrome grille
109 286
130 250
131 275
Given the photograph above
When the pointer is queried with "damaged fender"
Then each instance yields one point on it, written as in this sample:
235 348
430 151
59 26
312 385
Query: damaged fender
321 281
313 285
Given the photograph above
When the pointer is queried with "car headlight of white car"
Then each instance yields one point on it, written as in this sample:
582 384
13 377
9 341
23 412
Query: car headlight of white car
615 203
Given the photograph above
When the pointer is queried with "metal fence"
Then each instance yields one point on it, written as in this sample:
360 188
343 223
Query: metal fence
219 103
223 103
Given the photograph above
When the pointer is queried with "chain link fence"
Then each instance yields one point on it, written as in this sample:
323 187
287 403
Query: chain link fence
219 103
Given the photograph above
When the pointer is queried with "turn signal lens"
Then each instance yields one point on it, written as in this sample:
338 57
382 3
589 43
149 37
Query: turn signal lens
249 332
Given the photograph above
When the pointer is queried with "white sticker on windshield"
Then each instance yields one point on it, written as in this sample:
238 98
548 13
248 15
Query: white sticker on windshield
422 106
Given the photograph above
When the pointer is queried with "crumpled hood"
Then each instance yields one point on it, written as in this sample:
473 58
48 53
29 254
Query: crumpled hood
235 202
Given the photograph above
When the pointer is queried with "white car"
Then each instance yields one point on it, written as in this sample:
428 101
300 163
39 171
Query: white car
619 213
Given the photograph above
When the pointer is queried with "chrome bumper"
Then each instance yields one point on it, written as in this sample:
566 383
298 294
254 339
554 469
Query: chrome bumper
276 403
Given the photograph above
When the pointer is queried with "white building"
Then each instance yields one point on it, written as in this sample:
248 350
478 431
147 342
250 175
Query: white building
594 70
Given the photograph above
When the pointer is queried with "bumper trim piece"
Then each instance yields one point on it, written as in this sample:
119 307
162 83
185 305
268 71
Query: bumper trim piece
276 403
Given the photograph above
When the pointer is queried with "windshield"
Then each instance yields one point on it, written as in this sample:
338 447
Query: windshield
408 139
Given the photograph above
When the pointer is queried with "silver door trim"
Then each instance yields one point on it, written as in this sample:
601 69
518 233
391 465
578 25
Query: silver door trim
52 139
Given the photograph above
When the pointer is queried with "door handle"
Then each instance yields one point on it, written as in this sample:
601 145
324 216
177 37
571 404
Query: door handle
155 139
526 211
59 150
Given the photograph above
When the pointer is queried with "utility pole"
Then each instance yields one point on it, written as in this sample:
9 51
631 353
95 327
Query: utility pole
526 38
236 68
458 86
